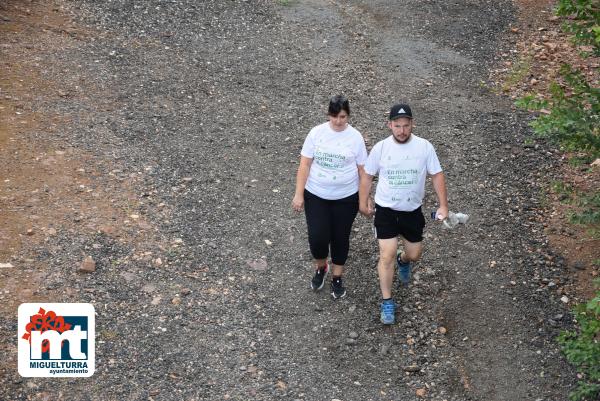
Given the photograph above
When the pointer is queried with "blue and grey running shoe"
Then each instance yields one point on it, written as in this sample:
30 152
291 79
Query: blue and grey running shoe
403 271
388 312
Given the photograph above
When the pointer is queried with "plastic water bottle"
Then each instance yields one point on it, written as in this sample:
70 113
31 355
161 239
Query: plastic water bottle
453 219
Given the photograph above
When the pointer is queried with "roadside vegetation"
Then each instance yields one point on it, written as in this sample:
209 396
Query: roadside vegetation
569 115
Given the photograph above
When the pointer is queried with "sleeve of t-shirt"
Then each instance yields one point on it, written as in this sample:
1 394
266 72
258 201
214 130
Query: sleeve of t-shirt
361 155
308 149
433 163
372 163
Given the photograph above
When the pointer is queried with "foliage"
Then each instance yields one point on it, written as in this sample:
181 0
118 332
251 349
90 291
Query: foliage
582 348
590 204
587 204
584 21
571 116
565 191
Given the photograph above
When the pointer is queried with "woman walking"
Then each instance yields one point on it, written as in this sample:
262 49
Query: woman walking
331 162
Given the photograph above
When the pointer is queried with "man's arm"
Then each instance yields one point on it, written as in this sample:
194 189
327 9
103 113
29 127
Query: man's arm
439 185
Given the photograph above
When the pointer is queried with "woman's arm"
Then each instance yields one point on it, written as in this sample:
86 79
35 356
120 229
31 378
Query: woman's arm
364 192
301 177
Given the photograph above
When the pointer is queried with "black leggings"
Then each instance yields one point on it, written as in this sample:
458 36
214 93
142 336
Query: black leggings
329 224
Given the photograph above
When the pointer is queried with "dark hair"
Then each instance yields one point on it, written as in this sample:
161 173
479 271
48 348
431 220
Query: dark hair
337 104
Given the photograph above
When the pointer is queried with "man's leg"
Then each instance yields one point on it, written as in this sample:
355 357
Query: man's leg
385 268
412 251
412 232
386 265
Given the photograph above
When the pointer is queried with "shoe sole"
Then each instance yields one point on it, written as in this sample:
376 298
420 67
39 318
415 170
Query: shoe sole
338 297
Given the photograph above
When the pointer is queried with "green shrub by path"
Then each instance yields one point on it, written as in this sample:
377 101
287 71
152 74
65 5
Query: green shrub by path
584 207
582 349
590 206
584 21
571 116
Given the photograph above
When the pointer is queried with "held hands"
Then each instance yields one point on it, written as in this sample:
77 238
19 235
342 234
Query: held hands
367 210
298 203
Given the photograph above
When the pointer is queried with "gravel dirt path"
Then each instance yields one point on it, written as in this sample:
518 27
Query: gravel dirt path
178 133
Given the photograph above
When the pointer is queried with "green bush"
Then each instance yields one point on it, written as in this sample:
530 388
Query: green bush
584 21
571 117
582 349
590 205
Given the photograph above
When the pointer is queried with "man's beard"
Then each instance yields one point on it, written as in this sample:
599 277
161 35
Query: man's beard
401 142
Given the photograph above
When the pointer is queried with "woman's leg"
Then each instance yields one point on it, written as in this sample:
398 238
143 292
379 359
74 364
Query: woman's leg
317 221
342 217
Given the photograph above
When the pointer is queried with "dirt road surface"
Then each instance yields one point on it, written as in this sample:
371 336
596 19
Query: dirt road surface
161 138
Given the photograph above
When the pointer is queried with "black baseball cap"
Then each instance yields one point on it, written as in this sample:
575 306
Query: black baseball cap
400 110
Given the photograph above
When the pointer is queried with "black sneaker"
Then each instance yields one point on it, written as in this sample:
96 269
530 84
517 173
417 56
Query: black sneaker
337 288
318 279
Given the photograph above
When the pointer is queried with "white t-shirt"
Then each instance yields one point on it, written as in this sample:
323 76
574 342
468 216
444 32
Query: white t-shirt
402 170
336 155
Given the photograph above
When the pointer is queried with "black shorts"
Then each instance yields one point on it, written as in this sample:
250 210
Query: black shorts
390 223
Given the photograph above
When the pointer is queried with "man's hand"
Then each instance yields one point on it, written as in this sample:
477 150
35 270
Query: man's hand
441 213
367 210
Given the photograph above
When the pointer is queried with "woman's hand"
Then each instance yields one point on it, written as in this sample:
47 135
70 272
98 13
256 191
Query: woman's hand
301 177
368 210
298 203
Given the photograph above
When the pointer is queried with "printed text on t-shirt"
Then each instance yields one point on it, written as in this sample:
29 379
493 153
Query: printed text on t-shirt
329 160
401 178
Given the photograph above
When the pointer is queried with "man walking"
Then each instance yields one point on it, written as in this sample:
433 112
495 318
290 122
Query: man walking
402 161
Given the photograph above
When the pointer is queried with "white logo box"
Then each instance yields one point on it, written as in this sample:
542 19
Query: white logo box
40 349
